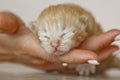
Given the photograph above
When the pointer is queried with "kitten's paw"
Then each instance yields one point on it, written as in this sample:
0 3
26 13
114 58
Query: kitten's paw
86 69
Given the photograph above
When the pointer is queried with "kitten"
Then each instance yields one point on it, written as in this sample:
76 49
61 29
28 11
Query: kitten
63 27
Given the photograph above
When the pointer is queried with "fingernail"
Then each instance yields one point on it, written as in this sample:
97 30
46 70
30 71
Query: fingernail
116 43
94 62
117 37
117 53
64 64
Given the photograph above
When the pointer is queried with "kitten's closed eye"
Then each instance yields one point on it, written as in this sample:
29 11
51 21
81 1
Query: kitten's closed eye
67 35
43 36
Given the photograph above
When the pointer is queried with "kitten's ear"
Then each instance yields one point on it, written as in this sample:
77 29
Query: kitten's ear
32 26
83 20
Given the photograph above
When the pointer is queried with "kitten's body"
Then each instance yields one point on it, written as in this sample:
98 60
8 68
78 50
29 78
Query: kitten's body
68 24
63 27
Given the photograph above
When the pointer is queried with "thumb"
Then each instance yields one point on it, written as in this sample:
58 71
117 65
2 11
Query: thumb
9 22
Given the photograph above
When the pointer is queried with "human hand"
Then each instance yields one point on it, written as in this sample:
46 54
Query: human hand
26 42
24 47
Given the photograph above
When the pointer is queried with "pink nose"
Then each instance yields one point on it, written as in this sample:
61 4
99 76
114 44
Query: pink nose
55 45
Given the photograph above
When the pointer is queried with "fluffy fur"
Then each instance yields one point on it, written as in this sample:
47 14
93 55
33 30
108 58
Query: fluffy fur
66 25
63 27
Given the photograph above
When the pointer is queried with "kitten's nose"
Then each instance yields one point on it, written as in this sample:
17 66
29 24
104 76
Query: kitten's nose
55 44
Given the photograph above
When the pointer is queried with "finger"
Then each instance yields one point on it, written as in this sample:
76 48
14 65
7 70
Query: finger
107 52
9 22
78 56
97 42
49 67
31 59
6 57
4 50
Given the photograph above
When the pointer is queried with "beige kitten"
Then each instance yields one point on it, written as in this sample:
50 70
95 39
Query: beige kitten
63 27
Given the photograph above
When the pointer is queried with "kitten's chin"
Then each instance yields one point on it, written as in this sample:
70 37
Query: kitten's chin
58 53
51 51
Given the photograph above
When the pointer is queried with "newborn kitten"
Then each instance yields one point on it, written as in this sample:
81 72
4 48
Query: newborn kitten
63 27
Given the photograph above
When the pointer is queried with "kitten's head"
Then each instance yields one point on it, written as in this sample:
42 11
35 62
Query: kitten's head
59 32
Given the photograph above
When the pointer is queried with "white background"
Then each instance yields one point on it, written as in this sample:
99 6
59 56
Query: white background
106 12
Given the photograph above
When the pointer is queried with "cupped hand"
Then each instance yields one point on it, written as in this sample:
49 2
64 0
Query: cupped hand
24 47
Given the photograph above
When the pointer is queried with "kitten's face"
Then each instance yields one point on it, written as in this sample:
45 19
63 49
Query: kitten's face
57 40
57 37
60 29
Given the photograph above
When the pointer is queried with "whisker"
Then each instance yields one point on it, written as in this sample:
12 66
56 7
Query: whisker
47 28
68 34
59 27
41 33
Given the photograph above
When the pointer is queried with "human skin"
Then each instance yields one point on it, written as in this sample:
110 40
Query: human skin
23 46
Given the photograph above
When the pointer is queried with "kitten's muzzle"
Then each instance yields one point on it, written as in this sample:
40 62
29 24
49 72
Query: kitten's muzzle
55 44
